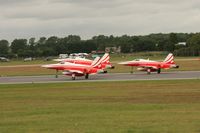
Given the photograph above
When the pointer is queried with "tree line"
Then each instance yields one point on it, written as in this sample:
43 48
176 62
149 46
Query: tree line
54 46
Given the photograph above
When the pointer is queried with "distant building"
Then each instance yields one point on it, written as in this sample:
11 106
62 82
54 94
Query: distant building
113 49
81 55
97 53
181 44
63 56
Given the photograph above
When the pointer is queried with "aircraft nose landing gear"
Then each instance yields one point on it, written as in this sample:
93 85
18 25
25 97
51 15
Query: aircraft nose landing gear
148 71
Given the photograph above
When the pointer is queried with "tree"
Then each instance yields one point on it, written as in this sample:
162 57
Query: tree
88 46
31 49
100 42
194 41
74 43
194 44
173 38
172 41
18 46
41 41
32 41
4 47
40 46
53 45
125 44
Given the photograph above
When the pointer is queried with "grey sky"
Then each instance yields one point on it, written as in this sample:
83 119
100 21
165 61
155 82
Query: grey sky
35 18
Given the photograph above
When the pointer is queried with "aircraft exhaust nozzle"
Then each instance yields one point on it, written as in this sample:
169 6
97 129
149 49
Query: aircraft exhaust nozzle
177 66
112 67
105 71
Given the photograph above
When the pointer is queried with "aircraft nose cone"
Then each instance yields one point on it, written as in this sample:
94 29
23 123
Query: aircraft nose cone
45 66
58 60
112 67
177 66
122 63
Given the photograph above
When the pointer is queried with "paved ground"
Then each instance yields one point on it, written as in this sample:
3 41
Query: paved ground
102 77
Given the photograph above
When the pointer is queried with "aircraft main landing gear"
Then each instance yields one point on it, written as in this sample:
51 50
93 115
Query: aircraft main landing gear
159 70
148 71
56 74
73 76
86 76
131 70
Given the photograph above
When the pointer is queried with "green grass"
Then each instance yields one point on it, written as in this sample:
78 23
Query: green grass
118 107
21 62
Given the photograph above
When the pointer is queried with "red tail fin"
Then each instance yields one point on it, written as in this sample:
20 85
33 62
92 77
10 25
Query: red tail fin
97 62
169 59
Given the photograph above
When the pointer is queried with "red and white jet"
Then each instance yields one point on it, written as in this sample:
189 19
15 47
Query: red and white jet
83 61
152 66
72 69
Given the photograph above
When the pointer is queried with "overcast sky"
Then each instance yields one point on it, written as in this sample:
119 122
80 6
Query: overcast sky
87 18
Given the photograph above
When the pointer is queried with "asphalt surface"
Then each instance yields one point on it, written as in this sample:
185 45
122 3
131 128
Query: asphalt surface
102 77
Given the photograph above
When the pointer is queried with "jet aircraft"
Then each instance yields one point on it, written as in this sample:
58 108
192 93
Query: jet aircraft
84 61
72 69
150 65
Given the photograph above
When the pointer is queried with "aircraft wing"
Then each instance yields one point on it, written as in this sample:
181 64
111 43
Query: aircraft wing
151 67
74 71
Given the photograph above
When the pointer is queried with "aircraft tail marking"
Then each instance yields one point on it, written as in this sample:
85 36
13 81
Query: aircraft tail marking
97 61
169 59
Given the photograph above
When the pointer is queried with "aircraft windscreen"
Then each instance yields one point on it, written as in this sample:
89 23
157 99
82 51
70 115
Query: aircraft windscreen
137 60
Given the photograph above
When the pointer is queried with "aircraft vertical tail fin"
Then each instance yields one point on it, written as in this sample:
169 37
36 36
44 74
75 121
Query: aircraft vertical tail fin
98 61
95 61
105 58
169 59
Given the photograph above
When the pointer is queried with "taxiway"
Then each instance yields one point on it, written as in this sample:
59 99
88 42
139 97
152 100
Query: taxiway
102 77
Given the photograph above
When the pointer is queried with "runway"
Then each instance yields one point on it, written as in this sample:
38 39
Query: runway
102 77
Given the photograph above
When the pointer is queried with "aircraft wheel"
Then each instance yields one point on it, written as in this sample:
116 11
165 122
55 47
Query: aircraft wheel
113 67
56 76
148 71
159 70
86 76
73 77
131 70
